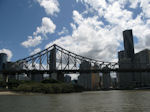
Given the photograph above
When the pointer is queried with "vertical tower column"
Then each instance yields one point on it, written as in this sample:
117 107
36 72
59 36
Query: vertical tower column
128 44
52 63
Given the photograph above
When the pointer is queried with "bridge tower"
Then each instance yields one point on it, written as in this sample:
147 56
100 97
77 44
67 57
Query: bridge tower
52 65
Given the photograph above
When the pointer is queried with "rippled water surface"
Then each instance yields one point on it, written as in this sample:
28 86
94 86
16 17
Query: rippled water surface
100 101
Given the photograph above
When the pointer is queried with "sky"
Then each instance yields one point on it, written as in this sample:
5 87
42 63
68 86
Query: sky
91 28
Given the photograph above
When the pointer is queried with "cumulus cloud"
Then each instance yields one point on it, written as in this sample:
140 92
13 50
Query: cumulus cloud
90 39
145 5
35 51
32 42
8 52
99 36
51 6
47 27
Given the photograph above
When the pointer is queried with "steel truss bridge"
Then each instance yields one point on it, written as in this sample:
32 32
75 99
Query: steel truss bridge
59 60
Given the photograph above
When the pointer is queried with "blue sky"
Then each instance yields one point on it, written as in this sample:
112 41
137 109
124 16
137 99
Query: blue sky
91 28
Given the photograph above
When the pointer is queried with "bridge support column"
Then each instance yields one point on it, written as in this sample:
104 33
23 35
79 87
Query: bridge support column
52 66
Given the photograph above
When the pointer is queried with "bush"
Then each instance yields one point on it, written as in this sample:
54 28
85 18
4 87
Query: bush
24 88
50 81
48 88
67 88
13 83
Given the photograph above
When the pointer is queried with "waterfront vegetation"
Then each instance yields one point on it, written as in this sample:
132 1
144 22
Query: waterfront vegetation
46 86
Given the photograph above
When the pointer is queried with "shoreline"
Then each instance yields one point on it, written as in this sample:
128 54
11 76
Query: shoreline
8 93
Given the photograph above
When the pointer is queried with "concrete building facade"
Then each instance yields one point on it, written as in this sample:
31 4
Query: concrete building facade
127 59
106 80
3 60
89 81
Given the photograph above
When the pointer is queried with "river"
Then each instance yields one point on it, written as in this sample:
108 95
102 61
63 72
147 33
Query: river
97 101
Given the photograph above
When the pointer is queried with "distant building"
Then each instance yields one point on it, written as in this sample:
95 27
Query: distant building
11 66
142 60
67 79
3 60
128 60
106 80
37 77
114 82
57 76
84 79
89 81
95 79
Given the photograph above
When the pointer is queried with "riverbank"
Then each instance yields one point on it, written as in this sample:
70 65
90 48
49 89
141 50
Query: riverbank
8 93
48 86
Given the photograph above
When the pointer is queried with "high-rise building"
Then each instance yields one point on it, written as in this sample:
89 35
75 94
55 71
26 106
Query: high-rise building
106 80
95 79
128 44
128 60
84 79
3 60
142 60
89 81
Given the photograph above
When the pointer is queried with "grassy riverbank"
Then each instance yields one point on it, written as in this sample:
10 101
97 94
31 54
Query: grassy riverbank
46 86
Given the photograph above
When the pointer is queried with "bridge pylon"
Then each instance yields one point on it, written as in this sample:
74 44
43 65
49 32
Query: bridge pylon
52 65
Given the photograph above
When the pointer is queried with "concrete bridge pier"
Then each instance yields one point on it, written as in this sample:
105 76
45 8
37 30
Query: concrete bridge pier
52 66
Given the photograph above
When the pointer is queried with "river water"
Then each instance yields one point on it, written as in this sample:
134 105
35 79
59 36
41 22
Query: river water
99 101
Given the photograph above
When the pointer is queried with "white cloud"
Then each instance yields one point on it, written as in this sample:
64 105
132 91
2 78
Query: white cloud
35 51
100 36
119 18
8 52
47 27
51 6
115 14
90 39
145 5
32 42
64 31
